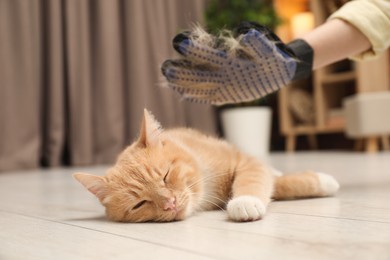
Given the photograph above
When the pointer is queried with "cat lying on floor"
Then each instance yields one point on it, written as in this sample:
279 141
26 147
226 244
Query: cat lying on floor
167 175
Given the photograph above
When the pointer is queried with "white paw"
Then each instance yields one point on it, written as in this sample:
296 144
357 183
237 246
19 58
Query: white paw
246 208
329 185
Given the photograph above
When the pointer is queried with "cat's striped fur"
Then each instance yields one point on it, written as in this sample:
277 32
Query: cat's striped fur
167 175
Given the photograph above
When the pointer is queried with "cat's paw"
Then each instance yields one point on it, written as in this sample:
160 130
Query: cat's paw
328 185
246 208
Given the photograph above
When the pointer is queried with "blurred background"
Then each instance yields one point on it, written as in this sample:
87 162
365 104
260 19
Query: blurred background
75 76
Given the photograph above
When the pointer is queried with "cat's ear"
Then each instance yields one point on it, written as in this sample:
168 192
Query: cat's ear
150 130
95 184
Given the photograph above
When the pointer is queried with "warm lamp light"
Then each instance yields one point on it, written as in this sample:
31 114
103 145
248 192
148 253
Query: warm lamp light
302 23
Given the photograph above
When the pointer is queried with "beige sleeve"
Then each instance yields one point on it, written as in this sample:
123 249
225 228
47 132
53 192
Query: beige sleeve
372 18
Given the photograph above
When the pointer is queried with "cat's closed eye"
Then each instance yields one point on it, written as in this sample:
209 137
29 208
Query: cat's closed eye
139 204
165 177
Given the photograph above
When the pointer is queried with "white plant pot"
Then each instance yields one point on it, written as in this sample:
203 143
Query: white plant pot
248 128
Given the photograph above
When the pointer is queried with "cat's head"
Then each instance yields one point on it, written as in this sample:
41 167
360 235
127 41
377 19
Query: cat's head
154 179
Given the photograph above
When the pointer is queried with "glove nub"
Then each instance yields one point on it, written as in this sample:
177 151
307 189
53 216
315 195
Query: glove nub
304 53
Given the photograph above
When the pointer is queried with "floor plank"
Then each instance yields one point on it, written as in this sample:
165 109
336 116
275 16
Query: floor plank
24 237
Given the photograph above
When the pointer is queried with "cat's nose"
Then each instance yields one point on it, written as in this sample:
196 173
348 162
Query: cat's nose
170 204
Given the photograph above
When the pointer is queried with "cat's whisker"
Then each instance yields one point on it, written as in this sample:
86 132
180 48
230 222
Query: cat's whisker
214 197
210 201
210 196
215 204
207 178
213 175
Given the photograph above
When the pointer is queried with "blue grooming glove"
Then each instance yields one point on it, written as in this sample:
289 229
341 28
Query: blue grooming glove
225 69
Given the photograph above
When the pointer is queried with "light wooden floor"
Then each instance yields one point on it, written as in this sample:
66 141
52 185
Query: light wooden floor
45 214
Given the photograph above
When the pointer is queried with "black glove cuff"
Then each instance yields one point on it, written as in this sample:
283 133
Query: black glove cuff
304 53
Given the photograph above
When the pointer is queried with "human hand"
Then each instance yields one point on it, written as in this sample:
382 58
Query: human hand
219 70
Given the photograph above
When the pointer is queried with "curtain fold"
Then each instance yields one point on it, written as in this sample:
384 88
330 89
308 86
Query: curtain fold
20 84
53 84
75 76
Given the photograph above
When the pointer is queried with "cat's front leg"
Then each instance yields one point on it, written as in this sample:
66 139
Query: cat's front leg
251 191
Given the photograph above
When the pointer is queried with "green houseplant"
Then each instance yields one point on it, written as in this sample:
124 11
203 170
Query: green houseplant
229 13
246 125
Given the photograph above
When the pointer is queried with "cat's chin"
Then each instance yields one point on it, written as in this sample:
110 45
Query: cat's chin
182 211
180 215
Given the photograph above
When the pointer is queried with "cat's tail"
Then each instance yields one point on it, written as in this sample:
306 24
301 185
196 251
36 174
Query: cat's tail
304 185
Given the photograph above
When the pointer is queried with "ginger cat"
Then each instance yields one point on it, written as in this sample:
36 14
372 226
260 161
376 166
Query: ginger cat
167 175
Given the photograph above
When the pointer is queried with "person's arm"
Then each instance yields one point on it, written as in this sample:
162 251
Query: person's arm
372 19
335 40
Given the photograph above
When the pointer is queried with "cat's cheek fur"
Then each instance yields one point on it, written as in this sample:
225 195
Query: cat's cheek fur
246 208
182 215
189 209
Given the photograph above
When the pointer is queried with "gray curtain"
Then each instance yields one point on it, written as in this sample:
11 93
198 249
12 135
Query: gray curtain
75 76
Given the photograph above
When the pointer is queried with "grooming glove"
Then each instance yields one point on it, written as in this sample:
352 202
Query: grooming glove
223 69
